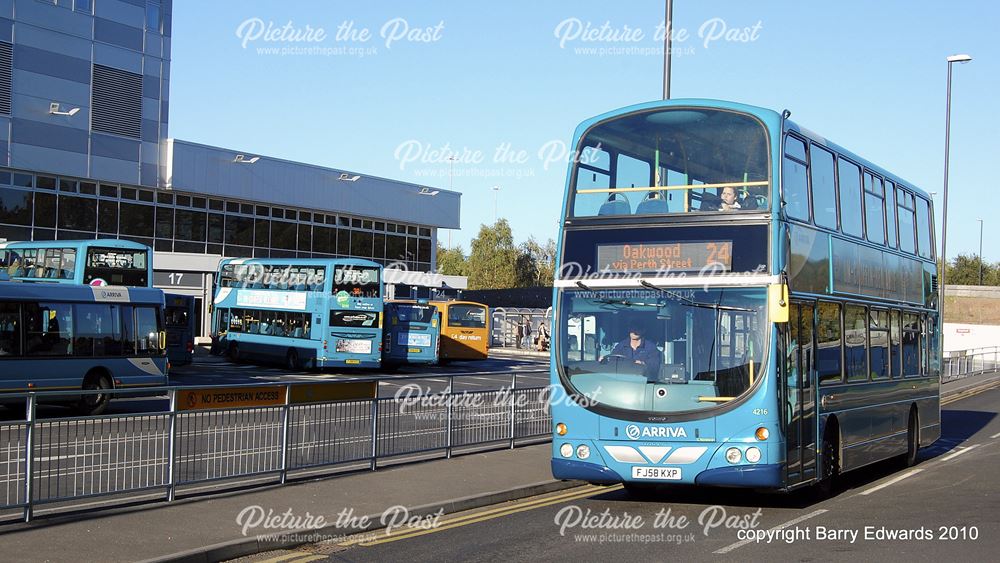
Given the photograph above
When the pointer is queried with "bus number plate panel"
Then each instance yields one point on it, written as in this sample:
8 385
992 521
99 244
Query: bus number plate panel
354 346
663 473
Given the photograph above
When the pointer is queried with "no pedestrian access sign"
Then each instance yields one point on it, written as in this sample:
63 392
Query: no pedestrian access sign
273 395
230 397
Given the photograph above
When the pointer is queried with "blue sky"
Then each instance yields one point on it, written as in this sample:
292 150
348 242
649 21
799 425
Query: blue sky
504 85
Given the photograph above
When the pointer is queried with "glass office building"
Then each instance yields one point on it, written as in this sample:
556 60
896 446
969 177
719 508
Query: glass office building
84 153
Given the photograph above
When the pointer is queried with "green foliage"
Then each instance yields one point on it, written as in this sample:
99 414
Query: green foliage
964 270
452 261
496 263
537 263
493 259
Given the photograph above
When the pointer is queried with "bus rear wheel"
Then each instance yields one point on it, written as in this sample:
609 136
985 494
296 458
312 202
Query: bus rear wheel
94 404
234 352
292 360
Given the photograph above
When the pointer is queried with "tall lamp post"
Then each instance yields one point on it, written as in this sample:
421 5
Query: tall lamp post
980 251
668 22
944 211
496 192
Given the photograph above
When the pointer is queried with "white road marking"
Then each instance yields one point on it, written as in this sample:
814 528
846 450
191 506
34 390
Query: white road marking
995 436
959 452
793 522
890 482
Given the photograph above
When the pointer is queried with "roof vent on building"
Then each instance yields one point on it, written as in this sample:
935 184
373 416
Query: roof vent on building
345 177
6 68
117 101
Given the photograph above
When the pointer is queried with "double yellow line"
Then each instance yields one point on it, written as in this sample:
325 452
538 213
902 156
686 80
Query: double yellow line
969 393
295 557
366 540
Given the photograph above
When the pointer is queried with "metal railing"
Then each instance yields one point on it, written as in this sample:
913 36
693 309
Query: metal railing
974 361
56 460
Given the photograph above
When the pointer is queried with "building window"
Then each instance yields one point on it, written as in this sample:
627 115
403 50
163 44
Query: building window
15 206
78 214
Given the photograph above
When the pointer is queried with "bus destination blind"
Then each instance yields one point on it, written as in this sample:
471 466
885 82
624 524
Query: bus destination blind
665 257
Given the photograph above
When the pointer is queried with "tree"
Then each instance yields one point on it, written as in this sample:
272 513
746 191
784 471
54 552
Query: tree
493 260
964 270
451 261
536 263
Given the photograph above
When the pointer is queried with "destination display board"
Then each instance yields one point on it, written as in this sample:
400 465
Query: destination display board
645 250
655 257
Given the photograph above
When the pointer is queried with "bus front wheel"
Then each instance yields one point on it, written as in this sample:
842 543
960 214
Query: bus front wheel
912 439
830 466
97 403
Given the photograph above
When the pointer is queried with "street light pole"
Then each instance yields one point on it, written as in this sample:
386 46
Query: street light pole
668 23
944 210
496 191
980 251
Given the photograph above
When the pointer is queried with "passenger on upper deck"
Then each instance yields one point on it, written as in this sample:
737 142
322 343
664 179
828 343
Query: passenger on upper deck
729 202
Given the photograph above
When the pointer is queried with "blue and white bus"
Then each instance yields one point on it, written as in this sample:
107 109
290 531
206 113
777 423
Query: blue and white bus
87 262
412 333
67 337
178 321
308 313
739 302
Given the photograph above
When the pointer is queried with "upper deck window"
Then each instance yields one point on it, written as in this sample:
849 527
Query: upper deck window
671 161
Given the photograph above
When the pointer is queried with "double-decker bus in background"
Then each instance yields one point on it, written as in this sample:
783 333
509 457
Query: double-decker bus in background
308 313
68 337
88 262
464 330
740 302
412 333
178 321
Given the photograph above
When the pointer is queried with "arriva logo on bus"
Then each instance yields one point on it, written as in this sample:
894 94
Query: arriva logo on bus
634 432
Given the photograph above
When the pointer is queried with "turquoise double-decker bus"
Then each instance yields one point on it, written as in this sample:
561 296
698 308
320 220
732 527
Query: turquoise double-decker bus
87 262
308 313
412 333
739 302
59 337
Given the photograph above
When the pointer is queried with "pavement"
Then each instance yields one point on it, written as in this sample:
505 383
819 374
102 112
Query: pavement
212 526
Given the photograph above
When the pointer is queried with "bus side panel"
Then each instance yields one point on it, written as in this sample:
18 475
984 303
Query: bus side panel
873 417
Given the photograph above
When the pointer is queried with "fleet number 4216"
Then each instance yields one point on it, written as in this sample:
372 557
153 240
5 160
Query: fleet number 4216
760 412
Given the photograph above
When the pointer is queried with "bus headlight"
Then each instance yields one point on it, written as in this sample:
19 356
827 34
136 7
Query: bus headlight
566 450
583 451
753 454
761 434
561 429
734 455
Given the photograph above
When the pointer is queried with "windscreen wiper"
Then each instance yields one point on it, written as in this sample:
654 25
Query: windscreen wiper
692 303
